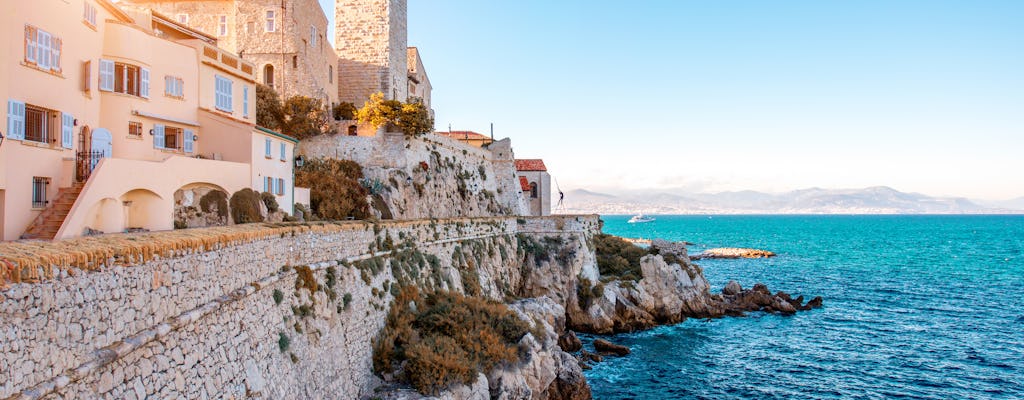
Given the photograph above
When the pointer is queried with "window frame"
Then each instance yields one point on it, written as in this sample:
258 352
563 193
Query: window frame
269 148
39 189
222 25
135 130
284 151
89 14
46 128
223 93
270 21
42 50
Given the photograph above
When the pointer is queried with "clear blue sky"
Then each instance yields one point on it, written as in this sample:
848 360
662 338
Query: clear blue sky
923 96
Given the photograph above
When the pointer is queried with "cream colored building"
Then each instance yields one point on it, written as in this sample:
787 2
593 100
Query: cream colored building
285 39
110 114
419 82
536 183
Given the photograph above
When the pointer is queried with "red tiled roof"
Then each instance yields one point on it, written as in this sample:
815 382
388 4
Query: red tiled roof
463 135
531 165
524 183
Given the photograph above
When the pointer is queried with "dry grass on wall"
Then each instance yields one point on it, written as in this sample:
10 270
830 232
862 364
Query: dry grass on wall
34 261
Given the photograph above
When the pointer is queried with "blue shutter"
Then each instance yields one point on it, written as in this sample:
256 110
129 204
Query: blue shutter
158 136
15 120
282 151
107 75
245 102
67 130
43 49
189 135
269 153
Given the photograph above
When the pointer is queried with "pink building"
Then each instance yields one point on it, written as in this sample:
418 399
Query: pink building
113 115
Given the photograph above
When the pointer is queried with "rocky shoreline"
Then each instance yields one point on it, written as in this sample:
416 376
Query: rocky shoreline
732 253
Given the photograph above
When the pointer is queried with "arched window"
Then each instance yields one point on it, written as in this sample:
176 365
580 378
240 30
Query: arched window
268 75
353 130
330 74
295 61
533 190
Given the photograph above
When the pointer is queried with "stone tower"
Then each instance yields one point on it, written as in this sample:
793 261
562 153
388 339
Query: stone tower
371 39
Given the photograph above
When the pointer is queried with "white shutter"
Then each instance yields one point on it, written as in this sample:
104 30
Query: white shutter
15 120
43 49
31 38
188 143
107 75
158 136
67 130
245 102
144 87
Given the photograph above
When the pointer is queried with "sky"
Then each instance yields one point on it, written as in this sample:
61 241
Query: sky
707 96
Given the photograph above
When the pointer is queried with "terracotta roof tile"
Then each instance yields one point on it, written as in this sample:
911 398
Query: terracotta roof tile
524 183
531 165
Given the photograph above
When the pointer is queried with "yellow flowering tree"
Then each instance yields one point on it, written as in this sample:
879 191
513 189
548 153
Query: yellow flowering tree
411 118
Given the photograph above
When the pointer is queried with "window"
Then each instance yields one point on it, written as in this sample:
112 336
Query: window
268 75
223 26
533 190
295 61
283 151
223 94
312 36
124 78
250 27
280 186
174 87
245 102
268 184
271 19
183 19
135 129
268 147
39 185
89 14
37 124
42 49
330 74
172 138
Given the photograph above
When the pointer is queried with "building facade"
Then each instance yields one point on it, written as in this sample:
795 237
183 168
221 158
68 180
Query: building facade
419 83
371 39
286 40
111 113
536 183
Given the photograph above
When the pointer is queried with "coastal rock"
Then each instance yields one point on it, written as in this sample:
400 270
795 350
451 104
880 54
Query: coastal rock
570 383
732 288
605 347
569 342
732 252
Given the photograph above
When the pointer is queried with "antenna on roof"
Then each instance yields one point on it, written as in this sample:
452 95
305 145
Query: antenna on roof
492 131
449 127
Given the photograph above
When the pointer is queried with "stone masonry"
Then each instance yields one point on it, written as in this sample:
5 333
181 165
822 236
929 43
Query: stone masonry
232 323
372 44
296 58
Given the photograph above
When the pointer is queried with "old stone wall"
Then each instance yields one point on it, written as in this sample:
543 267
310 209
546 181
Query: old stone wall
371 40
303 61
249 320
431 176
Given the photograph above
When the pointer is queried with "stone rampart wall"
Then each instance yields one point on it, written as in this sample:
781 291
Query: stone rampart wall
208 325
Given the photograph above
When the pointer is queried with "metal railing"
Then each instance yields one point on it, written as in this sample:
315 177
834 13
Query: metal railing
85 162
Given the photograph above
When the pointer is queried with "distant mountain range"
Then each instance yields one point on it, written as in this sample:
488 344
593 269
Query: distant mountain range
873 200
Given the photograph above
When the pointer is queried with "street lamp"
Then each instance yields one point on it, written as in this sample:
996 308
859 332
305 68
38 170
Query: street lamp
299 162
1 138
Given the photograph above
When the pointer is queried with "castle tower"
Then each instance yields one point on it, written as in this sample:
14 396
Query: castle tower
371 39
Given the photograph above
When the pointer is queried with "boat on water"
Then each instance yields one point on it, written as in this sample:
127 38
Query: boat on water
640 218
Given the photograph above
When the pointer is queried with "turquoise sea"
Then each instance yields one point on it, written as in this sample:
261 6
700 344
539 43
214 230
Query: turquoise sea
916 307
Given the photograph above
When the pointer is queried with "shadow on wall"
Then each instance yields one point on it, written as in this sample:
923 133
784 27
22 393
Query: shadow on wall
358 80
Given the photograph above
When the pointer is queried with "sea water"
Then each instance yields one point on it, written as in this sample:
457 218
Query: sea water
927 307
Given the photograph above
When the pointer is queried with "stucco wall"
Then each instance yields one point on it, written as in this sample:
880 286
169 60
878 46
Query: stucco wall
206 325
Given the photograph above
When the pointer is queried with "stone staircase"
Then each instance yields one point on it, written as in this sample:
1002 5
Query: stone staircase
48 223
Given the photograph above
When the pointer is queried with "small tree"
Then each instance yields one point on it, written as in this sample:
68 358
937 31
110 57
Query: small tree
344 110
305 117
245 207
269 111
411 118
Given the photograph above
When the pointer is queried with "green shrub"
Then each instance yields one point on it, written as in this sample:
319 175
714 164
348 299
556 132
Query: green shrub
446 338
278 296
215 200
344 110
245 207
270 200
283 342
618 258
334 189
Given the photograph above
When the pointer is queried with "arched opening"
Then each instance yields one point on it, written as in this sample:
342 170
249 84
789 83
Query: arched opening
199 205
533 190
106 216
268 75
353 130
143 211
330 74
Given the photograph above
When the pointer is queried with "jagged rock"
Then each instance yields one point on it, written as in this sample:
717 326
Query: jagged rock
732 288
569 342
570 383
732 253
814 303
592 357
605 347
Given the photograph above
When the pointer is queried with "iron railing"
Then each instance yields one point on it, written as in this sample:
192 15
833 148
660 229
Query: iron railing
85 162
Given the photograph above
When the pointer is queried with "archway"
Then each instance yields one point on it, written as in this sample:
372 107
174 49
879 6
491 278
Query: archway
268 75
199 205
106 216
143 210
